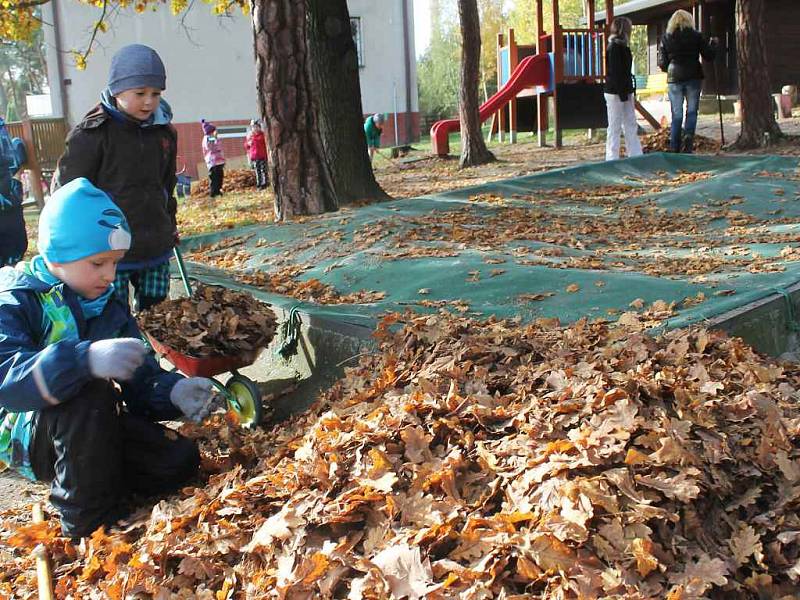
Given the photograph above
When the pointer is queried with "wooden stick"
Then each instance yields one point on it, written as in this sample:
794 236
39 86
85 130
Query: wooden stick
43 574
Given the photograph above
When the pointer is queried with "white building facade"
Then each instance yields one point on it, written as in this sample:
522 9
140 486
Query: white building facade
211 67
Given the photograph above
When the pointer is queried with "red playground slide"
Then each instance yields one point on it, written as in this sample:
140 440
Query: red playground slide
532 71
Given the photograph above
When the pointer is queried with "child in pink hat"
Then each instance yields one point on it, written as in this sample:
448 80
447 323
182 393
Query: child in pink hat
214 157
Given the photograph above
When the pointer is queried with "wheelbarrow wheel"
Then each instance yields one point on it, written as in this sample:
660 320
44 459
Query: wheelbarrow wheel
245 400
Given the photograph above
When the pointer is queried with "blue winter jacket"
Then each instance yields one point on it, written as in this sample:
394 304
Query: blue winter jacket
34 376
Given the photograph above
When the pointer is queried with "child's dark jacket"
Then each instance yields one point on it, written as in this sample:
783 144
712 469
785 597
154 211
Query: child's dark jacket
135 164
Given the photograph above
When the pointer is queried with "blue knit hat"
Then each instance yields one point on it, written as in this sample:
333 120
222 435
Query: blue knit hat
80 220
136 66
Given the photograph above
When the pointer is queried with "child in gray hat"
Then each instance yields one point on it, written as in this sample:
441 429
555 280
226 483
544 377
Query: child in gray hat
127 147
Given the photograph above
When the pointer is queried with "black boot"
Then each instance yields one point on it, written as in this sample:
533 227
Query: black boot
688 144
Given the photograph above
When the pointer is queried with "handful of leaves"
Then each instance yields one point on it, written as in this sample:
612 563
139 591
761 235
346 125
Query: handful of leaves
215 321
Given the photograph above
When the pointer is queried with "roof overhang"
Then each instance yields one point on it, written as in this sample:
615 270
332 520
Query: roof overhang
643 11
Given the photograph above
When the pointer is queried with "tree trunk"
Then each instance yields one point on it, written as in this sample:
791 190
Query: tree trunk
337 100
473 148
3 100
758 120
20 103
300 178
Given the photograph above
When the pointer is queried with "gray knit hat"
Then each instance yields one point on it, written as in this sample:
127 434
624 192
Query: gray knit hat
136 66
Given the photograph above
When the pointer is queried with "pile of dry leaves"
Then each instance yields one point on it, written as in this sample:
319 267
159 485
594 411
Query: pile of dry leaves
659 142
310 290
476 460
215 321
236 180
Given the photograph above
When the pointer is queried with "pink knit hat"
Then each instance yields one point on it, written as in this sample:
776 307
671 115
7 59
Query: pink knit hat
208 128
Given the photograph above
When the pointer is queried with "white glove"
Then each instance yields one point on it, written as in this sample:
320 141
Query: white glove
116 358
194 396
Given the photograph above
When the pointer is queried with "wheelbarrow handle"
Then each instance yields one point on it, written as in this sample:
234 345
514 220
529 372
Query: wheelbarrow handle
182 270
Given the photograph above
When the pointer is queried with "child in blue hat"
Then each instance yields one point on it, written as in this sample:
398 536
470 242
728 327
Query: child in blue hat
127 146
80 393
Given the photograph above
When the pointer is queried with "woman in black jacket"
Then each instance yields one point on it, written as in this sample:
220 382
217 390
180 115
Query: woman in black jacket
619 91
679 56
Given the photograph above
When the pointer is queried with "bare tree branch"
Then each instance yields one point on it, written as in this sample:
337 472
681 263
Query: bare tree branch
97 27
186 29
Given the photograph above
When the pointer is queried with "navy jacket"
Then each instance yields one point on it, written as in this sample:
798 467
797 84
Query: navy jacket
33 376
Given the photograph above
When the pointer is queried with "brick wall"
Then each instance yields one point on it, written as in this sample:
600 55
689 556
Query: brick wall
388 139
190 142
190 146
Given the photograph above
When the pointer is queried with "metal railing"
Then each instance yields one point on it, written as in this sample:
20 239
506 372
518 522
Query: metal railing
583 53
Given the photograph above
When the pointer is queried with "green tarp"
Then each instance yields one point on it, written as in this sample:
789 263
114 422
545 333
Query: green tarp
569 243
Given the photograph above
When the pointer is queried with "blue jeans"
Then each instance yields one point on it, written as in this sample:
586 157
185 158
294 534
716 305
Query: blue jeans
678 92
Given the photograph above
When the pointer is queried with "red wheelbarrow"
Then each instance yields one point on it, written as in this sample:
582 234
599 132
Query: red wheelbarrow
241 393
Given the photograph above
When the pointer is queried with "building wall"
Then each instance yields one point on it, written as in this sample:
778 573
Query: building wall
383 71
210 65
783 42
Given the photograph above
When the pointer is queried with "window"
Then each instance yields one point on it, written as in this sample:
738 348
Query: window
355 30
231 131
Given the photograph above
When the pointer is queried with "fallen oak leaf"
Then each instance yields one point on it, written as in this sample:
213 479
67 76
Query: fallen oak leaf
745 543
405 571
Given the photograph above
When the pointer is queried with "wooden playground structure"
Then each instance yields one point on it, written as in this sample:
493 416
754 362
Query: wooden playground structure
564 72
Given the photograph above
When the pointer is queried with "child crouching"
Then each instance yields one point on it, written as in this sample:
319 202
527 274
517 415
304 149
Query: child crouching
79 390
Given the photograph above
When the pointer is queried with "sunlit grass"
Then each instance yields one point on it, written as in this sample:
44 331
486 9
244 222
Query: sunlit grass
234 209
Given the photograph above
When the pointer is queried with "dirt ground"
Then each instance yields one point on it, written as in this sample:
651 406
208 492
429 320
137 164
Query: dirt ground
418 175
413 175
17 491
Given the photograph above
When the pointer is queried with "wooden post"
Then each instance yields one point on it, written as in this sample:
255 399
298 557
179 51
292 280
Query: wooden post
539 24
558 67
541 99
34 172
496 118
609 18
44 576
702 17
513 61
501 123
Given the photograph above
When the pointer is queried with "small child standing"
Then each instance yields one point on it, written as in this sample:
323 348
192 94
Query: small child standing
256 147
127 147
80 393
13 237
214 157
373 131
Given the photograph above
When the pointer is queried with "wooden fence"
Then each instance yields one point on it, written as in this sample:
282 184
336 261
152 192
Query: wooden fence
48 141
